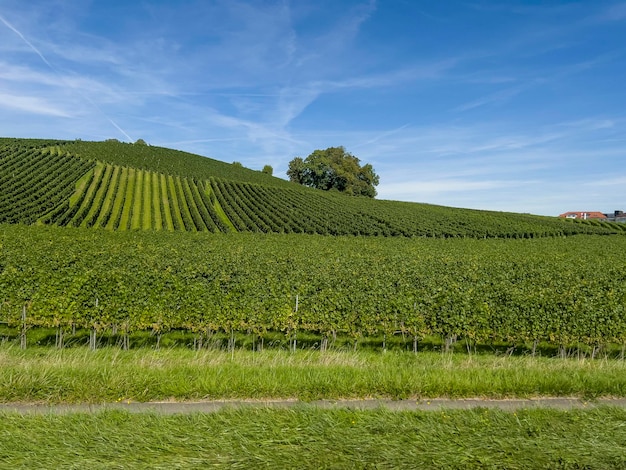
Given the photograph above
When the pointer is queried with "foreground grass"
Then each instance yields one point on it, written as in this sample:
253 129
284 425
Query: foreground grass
311 438
78 375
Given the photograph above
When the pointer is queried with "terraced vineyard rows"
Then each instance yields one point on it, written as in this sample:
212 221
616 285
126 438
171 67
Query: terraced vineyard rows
481 291
34 182
167 161
42 181
121 198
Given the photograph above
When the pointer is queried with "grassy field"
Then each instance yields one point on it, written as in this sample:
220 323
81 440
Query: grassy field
482 283
306 437
78 375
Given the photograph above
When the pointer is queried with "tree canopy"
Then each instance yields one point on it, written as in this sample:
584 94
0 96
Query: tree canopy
334 169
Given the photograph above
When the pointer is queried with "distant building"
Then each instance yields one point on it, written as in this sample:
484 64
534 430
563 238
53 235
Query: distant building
584 215
617 216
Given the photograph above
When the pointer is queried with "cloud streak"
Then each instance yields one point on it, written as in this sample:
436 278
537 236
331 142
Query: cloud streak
26 41
37 105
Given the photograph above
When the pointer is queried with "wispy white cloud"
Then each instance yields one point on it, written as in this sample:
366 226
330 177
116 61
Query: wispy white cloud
426 188
32 104
20 74
255 52
40 106
492 166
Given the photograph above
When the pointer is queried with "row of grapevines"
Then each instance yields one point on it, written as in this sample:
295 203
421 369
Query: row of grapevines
210 201
34 182
484 291
37 179
122 198
249 208
96 207
167 161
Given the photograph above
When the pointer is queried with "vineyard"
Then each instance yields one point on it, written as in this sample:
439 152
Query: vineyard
129 187
566 291
106 236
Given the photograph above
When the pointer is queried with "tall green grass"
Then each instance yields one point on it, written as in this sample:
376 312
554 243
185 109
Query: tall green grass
78 375
309 438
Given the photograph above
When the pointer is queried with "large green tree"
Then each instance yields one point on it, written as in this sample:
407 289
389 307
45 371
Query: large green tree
334 168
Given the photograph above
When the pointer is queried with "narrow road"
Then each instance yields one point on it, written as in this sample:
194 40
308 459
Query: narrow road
435 404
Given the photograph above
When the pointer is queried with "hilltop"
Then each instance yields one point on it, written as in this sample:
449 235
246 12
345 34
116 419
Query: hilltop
119 186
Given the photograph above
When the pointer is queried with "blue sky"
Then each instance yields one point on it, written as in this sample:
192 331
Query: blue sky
514 106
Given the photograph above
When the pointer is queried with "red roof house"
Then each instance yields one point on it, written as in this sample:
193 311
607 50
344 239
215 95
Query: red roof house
584 215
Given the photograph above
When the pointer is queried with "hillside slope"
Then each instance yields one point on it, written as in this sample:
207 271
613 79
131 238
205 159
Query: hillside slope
117 186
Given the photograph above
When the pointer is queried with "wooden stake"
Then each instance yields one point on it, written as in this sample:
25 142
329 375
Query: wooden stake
23 331
92 338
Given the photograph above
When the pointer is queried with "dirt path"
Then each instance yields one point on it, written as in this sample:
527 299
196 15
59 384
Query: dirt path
393 405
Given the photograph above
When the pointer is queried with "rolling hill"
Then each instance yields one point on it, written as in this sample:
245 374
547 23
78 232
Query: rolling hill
115 237
118 187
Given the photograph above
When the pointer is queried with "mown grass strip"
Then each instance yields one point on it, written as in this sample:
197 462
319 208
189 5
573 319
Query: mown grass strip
136 218
311 438
76 200
177 218
98 201
183 204
191 205
81 186
157 219
203 211
118 203
107 203
124 223
90 193
146 216
168 222
225 205
211 200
